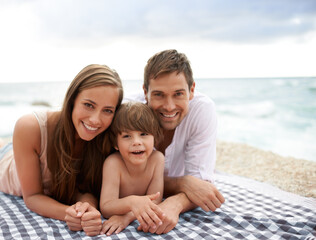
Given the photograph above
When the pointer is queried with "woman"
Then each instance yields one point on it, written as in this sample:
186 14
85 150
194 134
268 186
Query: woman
58 156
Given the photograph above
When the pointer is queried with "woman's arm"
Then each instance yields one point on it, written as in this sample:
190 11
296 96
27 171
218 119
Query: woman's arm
26 146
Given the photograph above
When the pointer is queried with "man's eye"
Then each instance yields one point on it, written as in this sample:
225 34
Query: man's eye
179 94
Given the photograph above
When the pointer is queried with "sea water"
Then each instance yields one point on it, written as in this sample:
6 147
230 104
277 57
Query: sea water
274 114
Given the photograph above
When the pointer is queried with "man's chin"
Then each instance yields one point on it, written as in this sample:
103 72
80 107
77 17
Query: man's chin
169 126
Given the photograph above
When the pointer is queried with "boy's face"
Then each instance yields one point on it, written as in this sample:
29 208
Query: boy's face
168 95
135 147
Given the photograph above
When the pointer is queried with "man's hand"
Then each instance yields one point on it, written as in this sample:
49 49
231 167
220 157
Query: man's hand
202 193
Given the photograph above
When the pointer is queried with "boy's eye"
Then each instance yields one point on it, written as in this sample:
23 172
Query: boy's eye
144 134
125 136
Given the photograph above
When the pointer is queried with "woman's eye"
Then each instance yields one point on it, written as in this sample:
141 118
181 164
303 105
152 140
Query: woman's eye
89 105
108 111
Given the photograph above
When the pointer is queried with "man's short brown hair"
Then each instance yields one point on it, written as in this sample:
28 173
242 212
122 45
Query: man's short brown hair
168 61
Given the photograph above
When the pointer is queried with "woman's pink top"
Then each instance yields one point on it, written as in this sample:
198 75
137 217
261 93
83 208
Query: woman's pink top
9 181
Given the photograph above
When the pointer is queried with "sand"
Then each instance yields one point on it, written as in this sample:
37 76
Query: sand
290 174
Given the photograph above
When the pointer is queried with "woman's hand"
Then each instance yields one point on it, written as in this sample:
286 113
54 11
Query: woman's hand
83 216
90 219
72 219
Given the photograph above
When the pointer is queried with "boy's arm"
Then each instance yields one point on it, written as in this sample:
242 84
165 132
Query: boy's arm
157 182
145 211
110 187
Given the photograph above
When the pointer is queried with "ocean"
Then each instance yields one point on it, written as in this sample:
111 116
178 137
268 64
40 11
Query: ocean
273 114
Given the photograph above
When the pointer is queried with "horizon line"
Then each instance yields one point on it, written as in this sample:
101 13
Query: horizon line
196 78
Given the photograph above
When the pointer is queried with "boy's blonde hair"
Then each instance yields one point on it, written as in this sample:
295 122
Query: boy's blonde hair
135 116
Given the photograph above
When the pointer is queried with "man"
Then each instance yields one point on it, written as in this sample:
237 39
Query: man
189 125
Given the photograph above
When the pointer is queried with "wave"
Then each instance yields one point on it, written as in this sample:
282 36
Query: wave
261 109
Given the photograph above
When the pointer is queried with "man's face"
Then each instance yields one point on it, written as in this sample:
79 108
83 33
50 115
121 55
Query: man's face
168 95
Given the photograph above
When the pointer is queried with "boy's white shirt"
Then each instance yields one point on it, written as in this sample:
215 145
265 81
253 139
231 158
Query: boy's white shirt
193 147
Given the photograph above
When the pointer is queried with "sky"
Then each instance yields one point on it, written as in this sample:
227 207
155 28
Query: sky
45 40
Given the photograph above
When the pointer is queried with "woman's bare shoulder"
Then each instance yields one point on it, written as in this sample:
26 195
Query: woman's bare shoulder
27 124
27 132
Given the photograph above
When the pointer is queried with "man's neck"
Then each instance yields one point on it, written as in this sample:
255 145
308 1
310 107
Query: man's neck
167 139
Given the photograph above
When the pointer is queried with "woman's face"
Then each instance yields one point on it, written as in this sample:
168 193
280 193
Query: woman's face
94 110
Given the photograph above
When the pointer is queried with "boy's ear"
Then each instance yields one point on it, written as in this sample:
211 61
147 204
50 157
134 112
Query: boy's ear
116 148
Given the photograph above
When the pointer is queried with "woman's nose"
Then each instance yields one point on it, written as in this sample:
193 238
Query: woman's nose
95 118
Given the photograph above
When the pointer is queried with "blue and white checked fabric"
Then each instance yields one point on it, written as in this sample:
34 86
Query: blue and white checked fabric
246 214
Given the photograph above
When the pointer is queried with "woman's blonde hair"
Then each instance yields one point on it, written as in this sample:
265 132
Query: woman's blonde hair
135 116
83 172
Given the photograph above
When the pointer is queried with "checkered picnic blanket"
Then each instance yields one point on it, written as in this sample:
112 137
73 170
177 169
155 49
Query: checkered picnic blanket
246 214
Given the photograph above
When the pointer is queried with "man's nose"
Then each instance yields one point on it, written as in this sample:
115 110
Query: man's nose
169 104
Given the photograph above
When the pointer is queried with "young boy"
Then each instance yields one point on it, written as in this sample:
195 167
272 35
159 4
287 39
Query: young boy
132 182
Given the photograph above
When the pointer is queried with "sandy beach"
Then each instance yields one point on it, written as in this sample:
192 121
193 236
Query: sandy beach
290 174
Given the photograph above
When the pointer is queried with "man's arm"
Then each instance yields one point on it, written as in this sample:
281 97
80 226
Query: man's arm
198 192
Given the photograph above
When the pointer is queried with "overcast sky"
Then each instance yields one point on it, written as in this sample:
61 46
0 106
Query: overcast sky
52 40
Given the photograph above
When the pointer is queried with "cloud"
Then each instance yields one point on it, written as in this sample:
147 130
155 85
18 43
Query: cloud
240 21
222 38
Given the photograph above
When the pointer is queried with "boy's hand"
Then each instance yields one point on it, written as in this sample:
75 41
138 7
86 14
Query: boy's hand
148 214
170 220
115 224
